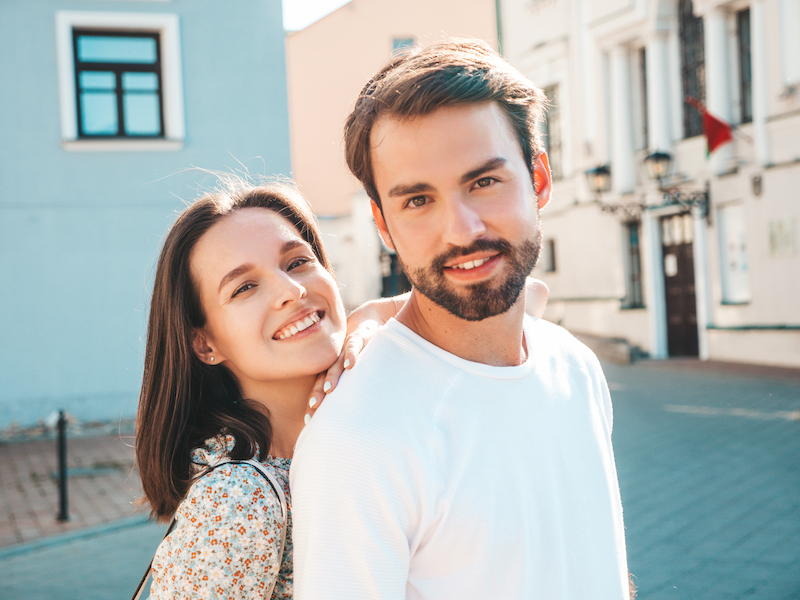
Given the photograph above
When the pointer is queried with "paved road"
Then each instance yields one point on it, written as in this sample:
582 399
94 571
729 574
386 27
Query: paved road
708 467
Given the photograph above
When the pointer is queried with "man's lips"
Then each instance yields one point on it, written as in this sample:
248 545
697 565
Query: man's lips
472 261
474 269
297 325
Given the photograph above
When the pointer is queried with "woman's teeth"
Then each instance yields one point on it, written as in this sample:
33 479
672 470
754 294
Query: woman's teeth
298 326
471 264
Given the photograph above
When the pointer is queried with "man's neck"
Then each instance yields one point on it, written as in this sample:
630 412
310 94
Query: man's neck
496 341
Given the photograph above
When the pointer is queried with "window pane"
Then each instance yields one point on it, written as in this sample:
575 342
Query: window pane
96 48
99 113
139 81
96 80
141 114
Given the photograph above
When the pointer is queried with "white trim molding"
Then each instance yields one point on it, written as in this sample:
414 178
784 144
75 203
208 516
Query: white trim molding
167 26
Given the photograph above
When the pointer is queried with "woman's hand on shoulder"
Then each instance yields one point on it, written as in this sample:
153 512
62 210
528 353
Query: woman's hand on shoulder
362 324
536 293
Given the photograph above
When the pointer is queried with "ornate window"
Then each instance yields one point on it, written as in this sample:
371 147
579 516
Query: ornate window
745 73
552 132
693 68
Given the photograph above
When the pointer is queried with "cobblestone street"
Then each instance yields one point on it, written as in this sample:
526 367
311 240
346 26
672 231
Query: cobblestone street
707 456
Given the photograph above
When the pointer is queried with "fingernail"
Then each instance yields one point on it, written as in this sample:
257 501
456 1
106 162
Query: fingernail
346 362
312 403
326 387
307 419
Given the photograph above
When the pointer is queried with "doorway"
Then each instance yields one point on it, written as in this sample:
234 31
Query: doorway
676 244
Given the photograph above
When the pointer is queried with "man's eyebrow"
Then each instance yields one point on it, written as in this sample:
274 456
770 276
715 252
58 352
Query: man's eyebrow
233 274
489 165
404 189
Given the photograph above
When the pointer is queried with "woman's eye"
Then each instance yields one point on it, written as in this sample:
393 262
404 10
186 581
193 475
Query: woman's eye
243 288
417 201
298 262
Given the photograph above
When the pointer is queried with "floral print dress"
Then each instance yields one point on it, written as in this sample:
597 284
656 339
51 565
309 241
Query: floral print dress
226 539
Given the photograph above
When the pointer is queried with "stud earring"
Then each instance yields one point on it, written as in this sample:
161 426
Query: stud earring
212 359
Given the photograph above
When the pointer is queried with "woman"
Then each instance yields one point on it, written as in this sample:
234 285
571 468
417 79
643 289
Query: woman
245 313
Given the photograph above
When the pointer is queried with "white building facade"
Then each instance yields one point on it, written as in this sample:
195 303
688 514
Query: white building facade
705 260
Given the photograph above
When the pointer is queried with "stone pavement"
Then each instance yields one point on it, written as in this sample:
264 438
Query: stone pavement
707 456
102 485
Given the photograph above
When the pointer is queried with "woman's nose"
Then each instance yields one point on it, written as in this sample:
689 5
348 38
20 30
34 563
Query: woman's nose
288 289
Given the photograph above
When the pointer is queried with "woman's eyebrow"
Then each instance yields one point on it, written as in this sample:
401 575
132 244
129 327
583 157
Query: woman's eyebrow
291 245
233 274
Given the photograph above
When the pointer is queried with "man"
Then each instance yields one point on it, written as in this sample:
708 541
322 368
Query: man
468 454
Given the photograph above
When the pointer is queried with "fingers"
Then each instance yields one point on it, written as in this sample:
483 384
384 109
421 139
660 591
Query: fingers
316 397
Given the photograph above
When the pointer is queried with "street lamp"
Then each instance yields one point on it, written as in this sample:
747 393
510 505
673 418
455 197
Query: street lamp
658 166
599 180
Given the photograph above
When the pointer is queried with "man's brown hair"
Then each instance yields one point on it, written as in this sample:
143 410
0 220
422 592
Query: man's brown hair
418 81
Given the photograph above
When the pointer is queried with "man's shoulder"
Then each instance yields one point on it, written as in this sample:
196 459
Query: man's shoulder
557 341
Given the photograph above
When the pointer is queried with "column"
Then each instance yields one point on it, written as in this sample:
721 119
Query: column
702 289
623 167
790 41
653 270
659 124
718 95
758 61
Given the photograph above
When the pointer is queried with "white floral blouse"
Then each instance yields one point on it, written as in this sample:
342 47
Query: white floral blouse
227 535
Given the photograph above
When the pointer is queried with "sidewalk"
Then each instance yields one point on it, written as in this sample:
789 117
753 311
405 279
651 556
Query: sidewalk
102 480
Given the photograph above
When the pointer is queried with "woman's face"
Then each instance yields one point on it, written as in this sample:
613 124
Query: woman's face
273 311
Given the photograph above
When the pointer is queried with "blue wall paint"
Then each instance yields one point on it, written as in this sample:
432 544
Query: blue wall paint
80 231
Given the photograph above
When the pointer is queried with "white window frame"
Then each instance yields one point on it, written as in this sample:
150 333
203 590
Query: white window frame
167 26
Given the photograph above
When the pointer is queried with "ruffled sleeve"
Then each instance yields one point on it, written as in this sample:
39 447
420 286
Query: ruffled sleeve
226 541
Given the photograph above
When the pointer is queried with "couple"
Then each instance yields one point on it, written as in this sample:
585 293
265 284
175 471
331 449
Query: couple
467 454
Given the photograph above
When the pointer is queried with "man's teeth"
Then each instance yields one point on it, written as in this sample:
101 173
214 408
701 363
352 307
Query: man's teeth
299 326
471 264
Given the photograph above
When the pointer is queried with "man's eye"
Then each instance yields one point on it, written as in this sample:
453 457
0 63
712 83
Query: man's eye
417 201
243 288
484 182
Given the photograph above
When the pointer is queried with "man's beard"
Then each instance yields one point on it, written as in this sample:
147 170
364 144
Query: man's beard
482 300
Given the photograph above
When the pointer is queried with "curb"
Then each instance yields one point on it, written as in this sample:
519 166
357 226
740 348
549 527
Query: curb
71 536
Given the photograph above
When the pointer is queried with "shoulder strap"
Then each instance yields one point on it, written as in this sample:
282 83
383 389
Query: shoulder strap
277 488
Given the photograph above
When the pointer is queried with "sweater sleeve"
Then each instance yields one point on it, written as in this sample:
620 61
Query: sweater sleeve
353 506
226 541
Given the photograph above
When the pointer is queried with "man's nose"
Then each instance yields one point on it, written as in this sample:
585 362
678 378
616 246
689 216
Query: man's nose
287 289
463 221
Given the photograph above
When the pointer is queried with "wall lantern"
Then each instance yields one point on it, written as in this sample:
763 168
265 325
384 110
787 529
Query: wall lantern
599 180
658 165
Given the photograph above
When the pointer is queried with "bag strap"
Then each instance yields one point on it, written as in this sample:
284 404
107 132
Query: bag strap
278 489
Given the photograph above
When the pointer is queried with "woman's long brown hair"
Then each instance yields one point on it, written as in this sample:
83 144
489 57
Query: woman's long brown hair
183 401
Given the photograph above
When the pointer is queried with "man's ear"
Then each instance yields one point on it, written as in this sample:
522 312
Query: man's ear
202 349
381 224
542 180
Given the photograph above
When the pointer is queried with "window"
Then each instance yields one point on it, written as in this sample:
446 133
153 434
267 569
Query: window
118 84
643 97
551 130
635 298
693 72
119 81
403 42
745 74
733 255
549 256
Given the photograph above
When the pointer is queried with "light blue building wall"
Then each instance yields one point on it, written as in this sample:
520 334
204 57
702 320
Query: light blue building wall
81 221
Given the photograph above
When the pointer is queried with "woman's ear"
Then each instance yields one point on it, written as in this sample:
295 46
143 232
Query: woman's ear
202 348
